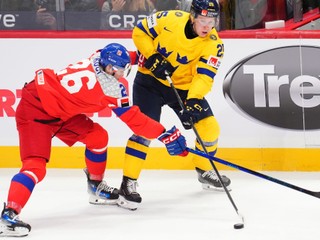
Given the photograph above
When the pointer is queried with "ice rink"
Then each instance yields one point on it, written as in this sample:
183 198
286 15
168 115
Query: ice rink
174 207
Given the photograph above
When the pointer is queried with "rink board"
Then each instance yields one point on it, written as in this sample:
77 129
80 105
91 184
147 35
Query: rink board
267 121
258 159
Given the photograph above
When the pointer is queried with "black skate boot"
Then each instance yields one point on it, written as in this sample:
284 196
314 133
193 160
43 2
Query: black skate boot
210 180
11 225
128 196
100 192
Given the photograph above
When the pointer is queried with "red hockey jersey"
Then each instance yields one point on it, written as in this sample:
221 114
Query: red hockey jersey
85 88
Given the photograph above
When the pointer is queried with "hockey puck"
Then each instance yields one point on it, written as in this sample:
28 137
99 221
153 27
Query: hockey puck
238 226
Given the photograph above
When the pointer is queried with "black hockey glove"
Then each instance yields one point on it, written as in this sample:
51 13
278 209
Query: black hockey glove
158 65
191 114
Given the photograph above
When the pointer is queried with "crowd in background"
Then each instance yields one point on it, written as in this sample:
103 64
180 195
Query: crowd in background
124 14
95 14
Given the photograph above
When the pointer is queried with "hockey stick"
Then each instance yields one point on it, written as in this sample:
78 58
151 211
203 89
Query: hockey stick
269 178
239 225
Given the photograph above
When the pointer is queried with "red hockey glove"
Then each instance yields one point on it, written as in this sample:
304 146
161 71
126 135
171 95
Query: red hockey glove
174 141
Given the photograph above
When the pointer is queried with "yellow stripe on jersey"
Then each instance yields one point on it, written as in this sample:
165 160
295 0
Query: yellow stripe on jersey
197 60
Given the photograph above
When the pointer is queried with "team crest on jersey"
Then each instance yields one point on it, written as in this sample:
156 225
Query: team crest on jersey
213 37
178 14
213 61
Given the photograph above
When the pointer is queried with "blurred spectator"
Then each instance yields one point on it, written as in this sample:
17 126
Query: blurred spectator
113 5
128 6
82 14
45 14
184 5
16 5
224 17
124 14
307 5
164 5
289 9
310 4
74 10
32 14
82 5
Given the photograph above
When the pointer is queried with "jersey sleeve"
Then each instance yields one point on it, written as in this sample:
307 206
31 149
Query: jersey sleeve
145 32
139 123
134 57
207 68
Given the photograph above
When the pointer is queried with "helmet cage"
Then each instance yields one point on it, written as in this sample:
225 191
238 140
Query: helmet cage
126 70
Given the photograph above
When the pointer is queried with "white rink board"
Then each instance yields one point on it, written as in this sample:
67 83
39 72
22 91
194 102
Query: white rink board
20 58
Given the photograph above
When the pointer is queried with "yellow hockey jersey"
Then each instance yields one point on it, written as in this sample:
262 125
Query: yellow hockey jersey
196 60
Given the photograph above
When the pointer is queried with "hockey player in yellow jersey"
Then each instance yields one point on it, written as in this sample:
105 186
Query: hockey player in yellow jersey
187 47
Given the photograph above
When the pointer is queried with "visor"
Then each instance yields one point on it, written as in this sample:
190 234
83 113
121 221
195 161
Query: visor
210 22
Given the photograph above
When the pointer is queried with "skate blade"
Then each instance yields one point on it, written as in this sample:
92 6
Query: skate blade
122 202
99 201
209 187
16 232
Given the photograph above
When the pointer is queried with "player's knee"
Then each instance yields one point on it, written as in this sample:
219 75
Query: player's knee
209 132
97 139
34 168
208 129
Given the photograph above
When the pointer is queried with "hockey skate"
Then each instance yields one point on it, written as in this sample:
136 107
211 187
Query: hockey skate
210 180
11 225
100 193
128 196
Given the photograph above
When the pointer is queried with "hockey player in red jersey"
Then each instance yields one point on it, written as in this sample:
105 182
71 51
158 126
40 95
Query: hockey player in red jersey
53 105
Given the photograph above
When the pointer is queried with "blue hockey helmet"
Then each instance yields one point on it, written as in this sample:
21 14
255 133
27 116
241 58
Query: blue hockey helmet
206 8
116 55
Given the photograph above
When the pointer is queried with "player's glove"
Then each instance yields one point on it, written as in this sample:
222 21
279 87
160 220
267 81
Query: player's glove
159 66
192 112
174 141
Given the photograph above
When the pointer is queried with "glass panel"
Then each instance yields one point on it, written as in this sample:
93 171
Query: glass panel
108 15
12 20
249 14
121 20
82 20
28 14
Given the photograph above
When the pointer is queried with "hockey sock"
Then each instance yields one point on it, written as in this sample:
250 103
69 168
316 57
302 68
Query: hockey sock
135 155
96 164
20 191
22 184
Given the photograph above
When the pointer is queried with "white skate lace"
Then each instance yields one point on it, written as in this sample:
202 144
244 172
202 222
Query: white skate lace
210 174
104 187
132 186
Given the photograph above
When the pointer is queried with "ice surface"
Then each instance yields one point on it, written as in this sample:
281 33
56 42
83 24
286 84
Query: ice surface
174 206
